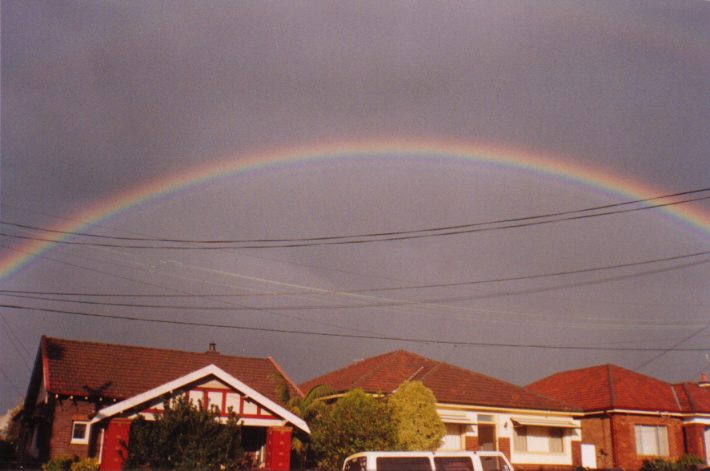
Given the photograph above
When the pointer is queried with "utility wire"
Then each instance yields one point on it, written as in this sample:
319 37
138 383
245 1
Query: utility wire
17 293
382 302
179 292
350 336
674 347
352 236
354 239
15 342
11 382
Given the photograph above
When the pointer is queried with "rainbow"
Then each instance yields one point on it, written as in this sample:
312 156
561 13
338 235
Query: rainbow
440 150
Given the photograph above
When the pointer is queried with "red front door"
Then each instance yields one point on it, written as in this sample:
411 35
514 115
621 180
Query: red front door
278 448
113 451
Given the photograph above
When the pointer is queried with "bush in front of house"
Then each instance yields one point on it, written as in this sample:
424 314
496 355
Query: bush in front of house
64 463
185 436
87 464
419 426
355 422
60 463
685 463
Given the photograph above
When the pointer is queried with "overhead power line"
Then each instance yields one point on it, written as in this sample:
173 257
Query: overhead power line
352 336
27 293
207 244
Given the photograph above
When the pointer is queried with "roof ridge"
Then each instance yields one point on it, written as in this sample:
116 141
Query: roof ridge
379 366
689 396
612 393
141 347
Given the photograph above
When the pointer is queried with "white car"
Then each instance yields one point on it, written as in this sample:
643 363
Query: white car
427 461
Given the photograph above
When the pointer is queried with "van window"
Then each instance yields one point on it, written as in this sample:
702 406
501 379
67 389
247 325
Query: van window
403 464
458 463
494 463
358 464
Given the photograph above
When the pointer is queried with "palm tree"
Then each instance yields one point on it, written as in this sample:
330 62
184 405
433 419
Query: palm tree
309 408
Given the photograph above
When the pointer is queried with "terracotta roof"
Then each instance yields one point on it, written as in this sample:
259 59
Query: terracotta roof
606 387
694 397
121 371
450 384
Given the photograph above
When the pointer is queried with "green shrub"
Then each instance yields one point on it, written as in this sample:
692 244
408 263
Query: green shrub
355 422
685 463
87 464
60 463
185 436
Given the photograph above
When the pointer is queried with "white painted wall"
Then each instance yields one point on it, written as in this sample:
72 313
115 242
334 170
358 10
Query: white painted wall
504 428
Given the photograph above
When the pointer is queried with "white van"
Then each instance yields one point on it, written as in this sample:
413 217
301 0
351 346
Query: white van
427 461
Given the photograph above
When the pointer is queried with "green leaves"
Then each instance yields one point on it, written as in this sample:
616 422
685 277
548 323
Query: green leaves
419 426
185 436
356 422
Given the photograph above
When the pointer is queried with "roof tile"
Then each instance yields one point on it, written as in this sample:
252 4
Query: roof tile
121 371
609 387
449 383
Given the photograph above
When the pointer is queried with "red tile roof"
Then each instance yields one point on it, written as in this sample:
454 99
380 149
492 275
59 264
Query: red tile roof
450 384
121 371
694 397
609 387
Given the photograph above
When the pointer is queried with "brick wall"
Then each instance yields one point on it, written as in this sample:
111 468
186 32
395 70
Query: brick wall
694 441
65 412
625 438
597 431
504 446
577 453
470 443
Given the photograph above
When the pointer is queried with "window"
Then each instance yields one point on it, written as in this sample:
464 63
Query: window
462 463
358 464
487 437
538 439
80 433
214 399
651 440
452 439
403 464
494 463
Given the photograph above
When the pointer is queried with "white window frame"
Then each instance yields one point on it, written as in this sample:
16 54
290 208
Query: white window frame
659 437
87 432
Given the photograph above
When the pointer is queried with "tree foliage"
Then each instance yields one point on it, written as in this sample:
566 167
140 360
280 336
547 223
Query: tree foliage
356 422
185 436
684 463
309 407
419 426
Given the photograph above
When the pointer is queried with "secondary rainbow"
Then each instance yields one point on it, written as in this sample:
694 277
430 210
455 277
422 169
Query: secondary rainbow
545 165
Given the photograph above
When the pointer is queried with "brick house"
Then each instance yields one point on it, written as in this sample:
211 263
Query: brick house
695 399
82 397
479 412
630 417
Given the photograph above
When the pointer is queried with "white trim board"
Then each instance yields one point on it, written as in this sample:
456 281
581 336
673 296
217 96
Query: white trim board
210 370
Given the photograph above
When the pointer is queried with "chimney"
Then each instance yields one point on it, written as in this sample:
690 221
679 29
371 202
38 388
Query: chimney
703 378
213 348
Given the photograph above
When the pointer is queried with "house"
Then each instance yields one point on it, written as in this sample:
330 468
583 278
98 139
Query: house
82 397
631 417
479 412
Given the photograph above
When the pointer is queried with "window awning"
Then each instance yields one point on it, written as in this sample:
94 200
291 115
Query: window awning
455 417
544 422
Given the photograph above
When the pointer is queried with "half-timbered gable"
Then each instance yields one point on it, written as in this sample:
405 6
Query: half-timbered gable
83 396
